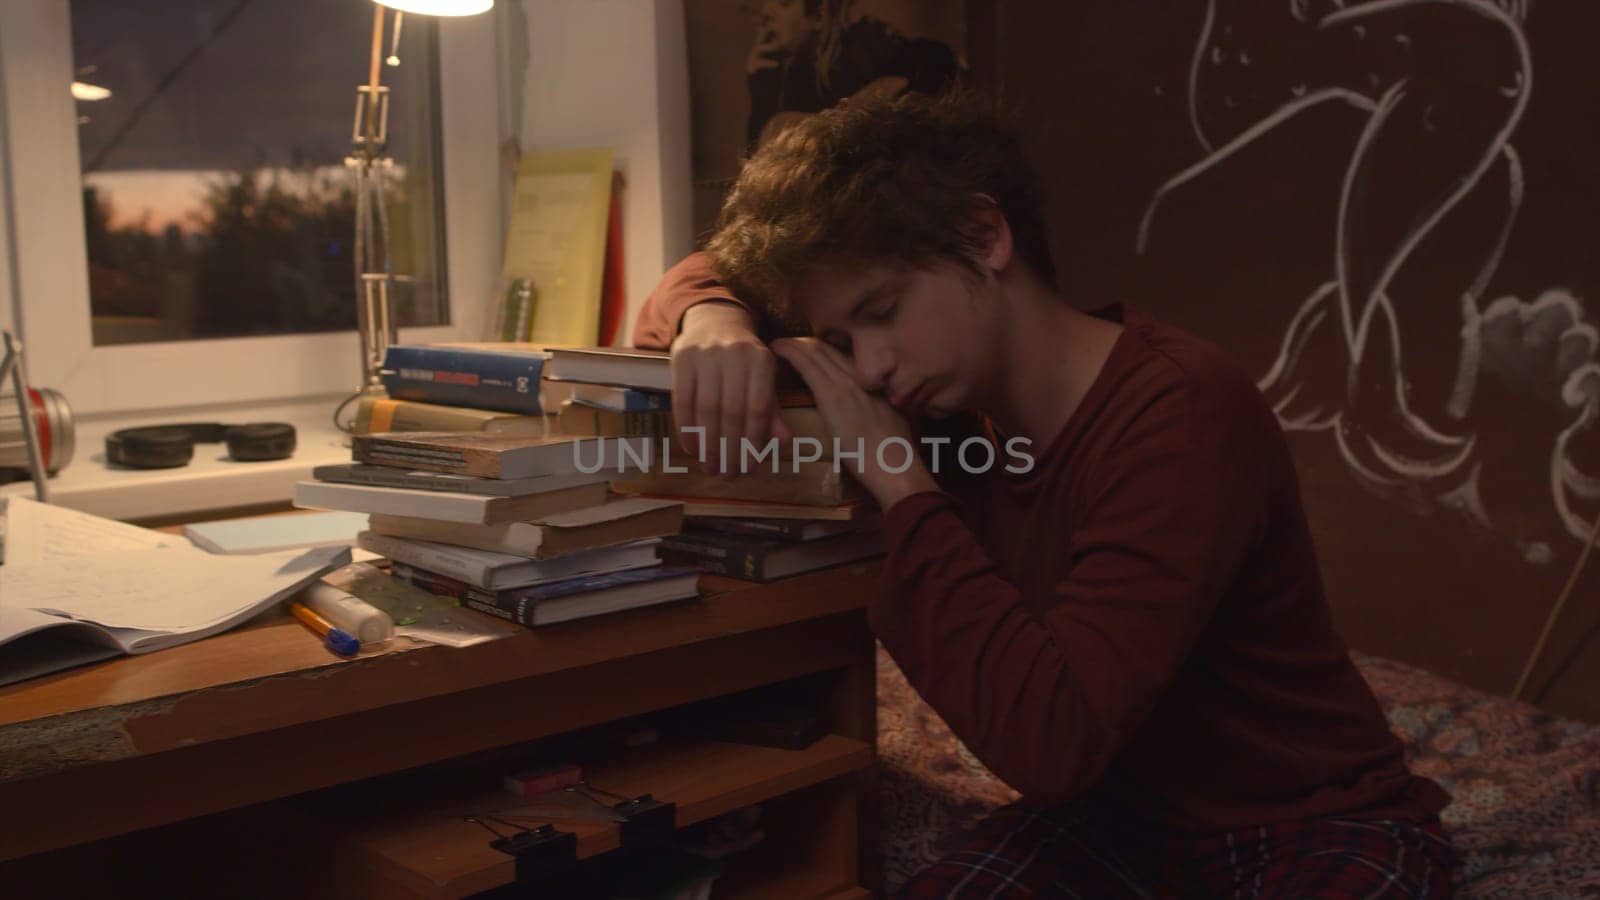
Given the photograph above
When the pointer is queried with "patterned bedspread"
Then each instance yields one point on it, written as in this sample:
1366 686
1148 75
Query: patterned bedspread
1526 785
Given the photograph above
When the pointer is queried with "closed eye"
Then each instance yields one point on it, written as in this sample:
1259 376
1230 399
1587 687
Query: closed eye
885 313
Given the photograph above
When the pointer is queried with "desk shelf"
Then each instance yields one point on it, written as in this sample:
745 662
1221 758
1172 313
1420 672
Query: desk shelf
410 836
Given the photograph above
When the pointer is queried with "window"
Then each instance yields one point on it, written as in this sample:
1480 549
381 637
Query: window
123 311
212 136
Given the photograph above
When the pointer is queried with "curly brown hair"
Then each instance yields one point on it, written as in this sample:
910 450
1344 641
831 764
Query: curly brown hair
897 179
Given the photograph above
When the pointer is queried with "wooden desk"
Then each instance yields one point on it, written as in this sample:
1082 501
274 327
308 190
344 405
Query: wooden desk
265 712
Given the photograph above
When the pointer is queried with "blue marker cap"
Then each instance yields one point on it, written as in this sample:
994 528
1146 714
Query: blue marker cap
343 642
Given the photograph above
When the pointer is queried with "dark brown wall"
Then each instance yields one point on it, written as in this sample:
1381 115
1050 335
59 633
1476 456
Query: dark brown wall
1448 185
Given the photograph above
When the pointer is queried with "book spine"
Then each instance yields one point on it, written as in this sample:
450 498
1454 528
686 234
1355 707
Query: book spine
410 553
468 462
379 414
374 500
776 529
521 613
816 486
513 606
748 562
462 377
591 420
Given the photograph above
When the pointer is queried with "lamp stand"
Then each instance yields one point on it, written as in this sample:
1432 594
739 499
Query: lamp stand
374 264
11 365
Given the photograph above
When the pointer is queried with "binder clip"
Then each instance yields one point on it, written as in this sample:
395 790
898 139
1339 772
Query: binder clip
644 819
540 853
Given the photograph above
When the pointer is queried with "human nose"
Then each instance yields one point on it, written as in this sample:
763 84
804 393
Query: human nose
873 362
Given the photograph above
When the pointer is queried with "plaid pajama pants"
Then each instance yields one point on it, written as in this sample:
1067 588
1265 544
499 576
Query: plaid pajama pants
1018 852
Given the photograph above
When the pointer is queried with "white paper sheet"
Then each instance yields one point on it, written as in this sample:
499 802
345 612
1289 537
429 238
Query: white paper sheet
173 589
40 532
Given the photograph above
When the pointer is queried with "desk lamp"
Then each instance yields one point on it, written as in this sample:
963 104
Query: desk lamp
369 136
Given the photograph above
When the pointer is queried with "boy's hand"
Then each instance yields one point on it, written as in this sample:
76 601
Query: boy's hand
854 415
722 381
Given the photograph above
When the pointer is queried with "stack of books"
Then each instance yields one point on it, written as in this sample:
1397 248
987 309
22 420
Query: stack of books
459 387
510 525
778 516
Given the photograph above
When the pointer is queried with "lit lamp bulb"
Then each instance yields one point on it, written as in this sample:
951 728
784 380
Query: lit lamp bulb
439 7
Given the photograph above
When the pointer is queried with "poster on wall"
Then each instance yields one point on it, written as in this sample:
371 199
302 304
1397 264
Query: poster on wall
756 66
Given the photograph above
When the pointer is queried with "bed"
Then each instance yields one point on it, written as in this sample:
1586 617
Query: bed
1526 784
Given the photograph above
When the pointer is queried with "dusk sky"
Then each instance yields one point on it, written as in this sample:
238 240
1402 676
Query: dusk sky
277 79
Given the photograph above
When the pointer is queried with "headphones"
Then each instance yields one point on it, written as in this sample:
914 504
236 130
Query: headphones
169 446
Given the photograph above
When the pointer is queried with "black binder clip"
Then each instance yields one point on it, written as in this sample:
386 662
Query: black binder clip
645 820
539 852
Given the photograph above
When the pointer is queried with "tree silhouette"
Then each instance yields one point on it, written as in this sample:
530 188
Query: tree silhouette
266 251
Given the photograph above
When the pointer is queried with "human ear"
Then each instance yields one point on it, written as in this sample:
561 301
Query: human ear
991 235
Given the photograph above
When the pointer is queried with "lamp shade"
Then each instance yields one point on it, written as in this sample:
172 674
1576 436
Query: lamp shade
439 7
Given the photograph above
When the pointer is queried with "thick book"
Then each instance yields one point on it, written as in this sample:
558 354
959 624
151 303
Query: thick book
567 599
620 399
497 571
388 476
499 456
816 483
505 380
375 415
648 370
474 509
578 418
606 525
793 530
758 560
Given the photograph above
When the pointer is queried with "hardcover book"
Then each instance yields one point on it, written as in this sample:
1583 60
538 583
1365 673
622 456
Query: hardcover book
620 399
757 560
380 414
648 370
795 530
603 525
580 418
567 599
388 476
475 509
496 571
495 456
814 484
505 380
627 367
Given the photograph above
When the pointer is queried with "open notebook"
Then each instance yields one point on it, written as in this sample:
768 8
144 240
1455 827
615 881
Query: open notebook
76 588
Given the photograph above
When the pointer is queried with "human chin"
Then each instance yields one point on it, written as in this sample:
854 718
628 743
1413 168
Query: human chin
943 403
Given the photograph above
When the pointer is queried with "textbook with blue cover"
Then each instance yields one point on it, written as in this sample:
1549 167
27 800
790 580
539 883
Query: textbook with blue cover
505 380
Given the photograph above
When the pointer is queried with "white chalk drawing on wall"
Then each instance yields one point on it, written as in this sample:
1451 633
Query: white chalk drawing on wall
1340 368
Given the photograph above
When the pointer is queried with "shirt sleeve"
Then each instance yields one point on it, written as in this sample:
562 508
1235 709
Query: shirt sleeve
689 282
1046 690
692 281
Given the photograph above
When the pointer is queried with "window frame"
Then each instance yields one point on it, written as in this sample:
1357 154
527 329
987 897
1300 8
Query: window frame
39 159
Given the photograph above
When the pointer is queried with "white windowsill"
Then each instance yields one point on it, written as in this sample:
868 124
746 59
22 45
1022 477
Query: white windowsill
211 481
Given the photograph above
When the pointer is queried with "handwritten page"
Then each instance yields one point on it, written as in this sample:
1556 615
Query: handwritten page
171 589
42 533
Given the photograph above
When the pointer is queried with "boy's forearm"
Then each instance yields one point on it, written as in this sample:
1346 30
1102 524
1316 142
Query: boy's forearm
689 284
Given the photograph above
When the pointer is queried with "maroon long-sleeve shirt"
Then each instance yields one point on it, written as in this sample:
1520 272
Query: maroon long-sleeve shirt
1141 616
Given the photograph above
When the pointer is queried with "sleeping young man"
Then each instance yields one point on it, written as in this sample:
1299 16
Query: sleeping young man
1122 616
